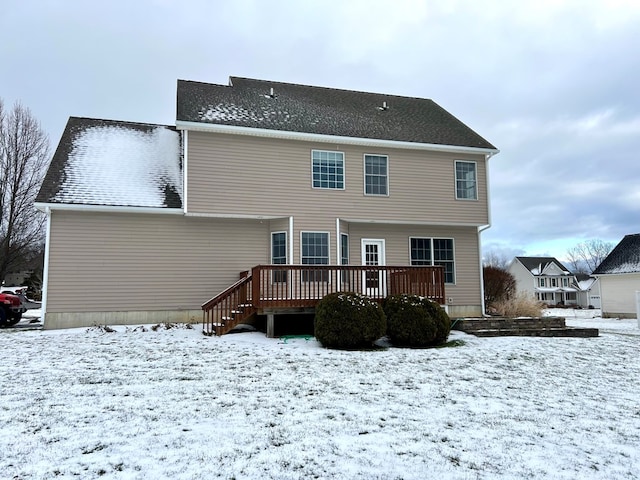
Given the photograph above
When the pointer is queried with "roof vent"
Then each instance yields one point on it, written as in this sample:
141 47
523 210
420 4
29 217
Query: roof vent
271 94
383 107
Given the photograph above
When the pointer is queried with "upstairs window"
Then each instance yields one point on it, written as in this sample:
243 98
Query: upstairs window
434 251
376 177
541 282
327 169
466 181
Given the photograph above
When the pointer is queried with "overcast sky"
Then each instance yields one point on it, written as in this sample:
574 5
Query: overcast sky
555 85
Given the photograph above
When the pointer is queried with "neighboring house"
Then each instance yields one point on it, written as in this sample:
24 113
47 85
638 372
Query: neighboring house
148 222
548 280
619 275
588 291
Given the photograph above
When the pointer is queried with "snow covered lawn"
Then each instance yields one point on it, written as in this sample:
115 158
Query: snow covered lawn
174 404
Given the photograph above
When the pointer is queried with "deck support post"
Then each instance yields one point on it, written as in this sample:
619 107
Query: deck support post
271 325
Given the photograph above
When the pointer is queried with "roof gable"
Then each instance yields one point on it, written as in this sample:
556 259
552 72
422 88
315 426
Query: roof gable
104 162
325 111
543 265
624 258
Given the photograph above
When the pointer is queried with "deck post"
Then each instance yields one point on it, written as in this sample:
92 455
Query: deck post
271 325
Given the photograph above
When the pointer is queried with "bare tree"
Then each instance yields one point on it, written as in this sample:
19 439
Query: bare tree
586 256
497 259
24 155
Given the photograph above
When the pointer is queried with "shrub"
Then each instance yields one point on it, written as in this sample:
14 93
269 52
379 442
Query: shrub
414 321
499 285
521 305
348 320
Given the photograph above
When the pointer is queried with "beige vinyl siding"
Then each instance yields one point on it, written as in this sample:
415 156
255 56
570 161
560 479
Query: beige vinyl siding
128 262
235 174
618 294
466 290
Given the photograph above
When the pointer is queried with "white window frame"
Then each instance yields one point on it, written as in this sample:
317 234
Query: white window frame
364 176
279 277
328 234
344 174
432 251
344 235
541 282
456 179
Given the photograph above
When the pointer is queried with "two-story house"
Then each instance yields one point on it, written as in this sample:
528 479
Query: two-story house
148 222
549 281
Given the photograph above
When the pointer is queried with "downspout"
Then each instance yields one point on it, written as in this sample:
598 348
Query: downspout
45 270
480 230
290 254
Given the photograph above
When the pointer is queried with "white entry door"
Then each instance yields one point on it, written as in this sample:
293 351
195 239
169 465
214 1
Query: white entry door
373 282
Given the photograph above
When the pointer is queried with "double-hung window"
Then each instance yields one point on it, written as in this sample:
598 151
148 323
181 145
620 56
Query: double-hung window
327 169
434 251
466 180
376 175
315 251
279 255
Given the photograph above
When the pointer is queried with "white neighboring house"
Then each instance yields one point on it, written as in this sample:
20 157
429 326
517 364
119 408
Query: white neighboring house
551 282
588 291
619 275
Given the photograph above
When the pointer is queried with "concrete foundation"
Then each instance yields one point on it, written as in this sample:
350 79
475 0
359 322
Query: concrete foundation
53 320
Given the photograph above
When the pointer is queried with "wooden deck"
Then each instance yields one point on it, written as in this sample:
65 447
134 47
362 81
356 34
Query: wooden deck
268 288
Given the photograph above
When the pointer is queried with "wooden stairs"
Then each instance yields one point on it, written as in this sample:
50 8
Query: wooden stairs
522 327
229 308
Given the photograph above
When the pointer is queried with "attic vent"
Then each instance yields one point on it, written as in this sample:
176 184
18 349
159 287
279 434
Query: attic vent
383 107
271 94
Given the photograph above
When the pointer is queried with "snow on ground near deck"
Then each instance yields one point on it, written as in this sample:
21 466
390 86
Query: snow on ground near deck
176 404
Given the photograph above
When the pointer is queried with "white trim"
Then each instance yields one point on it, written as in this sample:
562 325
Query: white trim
107 208
381 241
271 246
328 243
364 175
410 222
433 261
339 259
338 242
45 270
235 215
455 180
344 170
316 137
291 239
185 170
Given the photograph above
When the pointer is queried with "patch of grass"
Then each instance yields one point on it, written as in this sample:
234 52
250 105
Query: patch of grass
452 343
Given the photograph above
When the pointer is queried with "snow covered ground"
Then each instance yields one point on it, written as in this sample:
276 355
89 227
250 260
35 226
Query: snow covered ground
137 404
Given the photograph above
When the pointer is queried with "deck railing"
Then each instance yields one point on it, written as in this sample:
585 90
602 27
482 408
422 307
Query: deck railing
304 285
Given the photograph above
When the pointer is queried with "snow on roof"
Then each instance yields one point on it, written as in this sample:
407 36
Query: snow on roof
116 163
624 258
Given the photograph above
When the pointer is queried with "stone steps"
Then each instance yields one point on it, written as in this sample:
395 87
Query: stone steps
523 327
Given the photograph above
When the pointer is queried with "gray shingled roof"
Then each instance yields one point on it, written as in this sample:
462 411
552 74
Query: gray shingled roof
105 162
327 111
624 258
532 263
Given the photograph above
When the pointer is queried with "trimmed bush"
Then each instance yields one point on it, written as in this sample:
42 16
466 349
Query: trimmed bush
347 320
413 321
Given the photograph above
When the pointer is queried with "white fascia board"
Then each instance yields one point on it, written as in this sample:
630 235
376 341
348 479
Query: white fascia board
411 222
236 215
107 208
317 137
